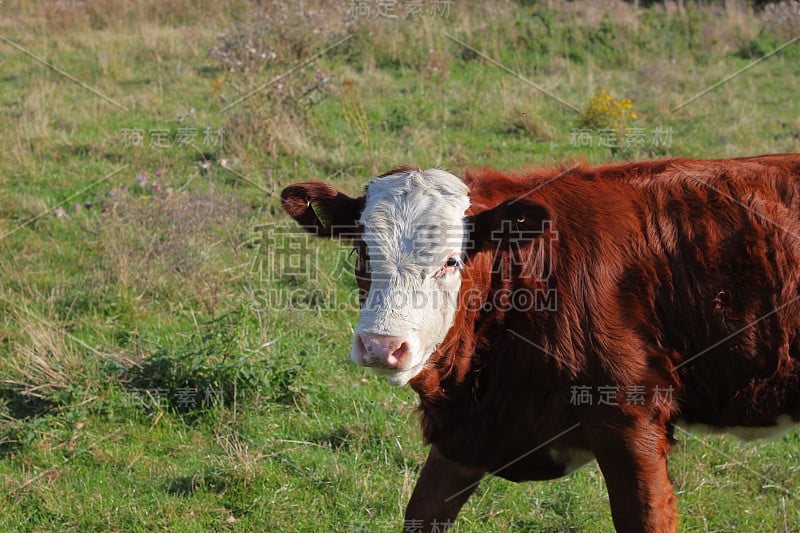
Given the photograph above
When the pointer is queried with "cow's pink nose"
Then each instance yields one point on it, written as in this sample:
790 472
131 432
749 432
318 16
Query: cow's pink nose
382 351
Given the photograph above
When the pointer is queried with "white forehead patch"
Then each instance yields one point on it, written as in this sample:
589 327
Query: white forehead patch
413 224
414 219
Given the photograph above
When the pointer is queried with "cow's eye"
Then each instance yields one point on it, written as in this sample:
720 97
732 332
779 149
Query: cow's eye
450 265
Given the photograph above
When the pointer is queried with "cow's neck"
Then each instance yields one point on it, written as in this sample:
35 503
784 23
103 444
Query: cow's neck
450 373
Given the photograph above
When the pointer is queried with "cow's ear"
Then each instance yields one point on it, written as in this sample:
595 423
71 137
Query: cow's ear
517 220
321 209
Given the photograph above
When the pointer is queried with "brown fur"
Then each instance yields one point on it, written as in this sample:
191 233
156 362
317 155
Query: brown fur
678 275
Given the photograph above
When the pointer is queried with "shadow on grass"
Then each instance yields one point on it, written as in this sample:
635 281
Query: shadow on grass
188 486
17 407
337 439
22 406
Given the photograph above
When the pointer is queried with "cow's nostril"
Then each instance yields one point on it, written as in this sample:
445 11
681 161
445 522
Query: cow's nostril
381 351
397 355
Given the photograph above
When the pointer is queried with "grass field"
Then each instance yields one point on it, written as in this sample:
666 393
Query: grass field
174 358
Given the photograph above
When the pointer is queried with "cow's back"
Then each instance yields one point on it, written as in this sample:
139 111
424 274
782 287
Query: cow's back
682 274
726 235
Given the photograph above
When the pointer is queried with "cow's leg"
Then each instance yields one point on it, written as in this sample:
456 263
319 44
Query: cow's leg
442 488
633 458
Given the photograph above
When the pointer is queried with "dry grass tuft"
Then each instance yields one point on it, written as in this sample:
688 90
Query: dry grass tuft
65 16
240 458
151 242
43 362
275 119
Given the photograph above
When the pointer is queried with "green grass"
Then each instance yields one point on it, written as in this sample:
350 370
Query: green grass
113 316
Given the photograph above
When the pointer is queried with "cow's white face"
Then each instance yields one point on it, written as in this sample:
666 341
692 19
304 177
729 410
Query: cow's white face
413 229
412 238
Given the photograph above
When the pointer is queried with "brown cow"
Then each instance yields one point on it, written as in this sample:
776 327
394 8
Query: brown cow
550 318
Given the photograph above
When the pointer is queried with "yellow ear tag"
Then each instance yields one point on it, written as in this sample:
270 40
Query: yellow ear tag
321 215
